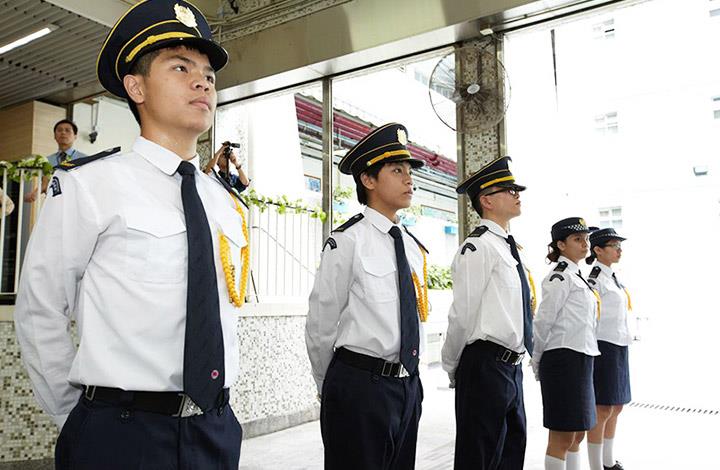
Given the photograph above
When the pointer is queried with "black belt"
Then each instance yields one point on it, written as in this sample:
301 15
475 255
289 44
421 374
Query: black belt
373 364
502 354
176 404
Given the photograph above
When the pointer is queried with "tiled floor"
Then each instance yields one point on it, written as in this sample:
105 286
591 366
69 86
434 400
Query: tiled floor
648 438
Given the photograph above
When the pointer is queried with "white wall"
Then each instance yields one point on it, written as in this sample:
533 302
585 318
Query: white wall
116 126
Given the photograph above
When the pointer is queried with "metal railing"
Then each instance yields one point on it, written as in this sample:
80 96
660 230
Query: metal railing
284 246
15 226
284 253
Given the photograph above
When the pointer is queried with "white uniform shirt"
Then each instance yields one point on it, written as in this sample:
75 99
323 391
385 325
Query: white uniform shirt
613 324
355 301
487 296
110 249
567 313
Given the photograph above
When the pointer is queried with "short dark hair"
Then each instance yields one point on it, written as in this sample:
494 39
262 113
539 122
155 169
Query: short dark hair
141 67
475 202
372 172
66 121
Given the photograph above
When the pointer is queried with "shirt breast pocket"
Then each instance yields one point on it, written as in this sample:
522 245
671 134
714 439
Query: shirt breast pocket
508 276
156 245
379 279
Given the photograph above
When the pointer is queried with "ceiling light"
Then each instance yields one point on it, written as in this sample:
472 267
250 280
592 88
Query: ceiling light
28 38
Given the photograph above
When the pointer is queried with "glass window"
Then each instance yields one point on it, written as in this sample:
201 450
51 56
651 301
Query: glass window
399 93
280 148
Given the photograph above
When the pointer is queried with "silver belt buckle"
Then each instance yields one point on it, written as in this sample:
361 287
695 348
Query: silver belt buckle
187 407
90 392
402 372
386 369
506 355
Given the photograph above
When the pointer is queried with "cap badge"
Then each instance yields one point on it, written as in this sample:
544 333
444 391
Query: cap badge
582 222
185 16
402 136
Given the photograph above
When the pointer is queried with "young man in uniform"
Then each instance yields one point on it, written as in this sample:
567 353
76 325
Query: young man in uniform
363 328
489 328
128 244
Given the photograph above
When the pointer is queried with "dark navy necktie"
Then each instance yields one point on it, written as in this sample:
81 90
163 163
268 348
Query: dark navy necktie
204 362
409 330
527 309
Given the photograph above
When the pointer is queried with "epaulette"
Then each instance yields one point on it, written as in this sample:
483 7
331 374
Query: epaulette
353 220
478 231
329 242
561 266
422 247
233 192
594 273
467 246
68 165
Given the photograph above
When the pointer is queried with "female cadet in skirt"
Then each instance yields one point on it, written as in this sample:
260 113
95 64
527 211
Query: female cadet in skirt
565 343
611 370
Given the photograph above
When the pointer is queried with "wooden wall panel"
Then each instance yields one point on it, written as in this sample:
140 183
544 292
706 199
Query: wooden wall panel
16 131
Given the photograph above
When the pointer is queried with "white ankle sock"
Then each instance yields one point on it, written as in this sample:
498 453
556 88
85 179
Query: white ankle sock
608 457
595 456
572 460
552 463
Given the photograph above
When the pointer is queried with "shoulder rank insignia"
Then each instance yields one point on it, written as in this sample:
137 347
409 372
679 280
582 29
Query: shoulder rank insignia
556 276
422 247
478 231
560 267
594 273
55 186
353 220
68 165
467 246
331 243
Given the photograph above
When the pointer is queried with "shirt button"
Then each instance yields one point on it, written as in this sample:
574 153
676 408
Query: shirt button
125 414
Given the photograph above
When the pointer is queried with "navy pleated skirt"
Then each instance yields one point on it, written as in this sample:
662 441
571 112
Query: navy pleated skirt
612 375
566 381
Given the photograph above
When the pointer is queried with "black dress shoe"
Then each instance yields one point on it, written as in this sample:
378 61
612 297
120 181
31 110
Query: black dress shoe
617 466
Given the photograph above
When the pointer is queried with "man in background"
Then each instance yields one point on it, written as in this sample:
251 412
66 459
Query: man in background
65 132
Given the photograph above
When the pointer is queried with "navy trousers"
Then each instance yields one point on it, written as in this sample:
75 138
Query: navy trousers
369 422
102 436
489 411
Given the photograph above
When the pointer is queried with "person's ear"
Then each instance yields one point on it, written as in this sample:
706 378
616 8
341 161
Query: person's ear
368 181
561 245
135 87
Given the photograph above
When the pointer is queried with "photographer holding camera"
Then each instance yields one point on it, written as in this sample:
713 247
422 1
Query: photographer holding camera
220 163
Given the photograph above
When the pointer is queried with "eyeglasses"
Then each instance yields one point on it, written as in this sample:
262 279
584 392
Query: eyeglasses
617 246
510 191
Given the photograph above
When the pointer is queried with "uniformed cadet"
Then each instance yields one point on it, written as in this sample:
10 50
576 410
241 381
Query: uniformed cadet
564 346
489 328
137 247
363 328
611 368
